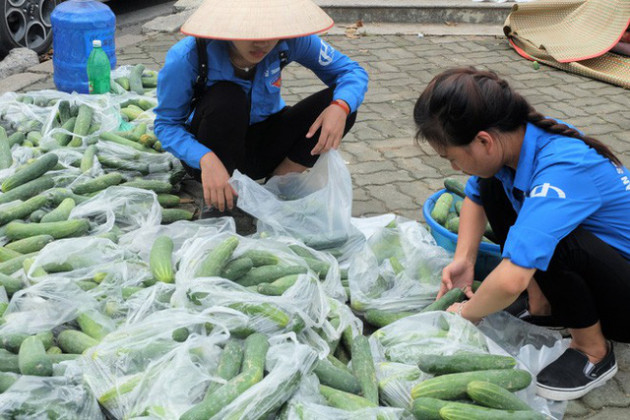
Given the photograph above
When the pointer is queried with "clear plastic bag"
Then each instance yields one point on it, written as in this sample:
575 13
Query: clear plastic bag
399 269
41 398
314 207
444 333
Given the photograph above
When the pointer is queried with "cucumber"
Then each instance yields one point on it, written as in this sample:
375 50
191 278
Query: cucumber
216 260
64 137
256 347
441 208
453 386
36 216
494 396
458 207
124 165
87 161
14 264
16 138
30 171
57 195
72 341
265 310
463 362
114 138
236 268
32 358
9 361
459 411
452 224
260 257
61 213
28 189
63 229
452 296
180 334
6 158
319 267
269 273
98 183
229 364
344 400
174 215
426 408
6 254
11 284
168 200
157 186
123 81
160 260
455 187
91 326
379 318
332 376
6 380
22 210
82 125
135 79
64 111
277 287
47 338
363 368
54 350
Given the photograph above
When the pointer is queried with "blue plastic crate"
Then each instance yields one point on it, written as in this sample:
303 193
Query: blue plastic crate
489 255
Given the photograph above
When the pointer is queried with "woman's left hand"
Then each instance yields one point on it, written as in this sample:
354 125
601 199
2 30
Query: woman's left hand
332 122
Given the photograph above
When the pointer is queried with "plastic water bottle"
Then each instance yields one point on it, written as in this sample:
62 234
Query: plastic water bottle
75 24
98 70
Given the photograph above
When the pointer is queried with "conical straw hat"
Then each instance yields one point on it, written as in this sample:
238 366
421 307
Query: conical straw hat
256 19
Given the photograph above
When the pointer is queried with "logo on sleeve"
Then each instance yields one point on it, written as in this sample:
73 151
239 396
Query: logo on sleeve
547 190
326 54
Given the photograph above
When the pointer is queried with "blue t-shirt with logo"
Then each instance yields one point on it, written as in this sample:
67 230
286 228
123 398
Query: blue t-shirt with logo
561 183
176 82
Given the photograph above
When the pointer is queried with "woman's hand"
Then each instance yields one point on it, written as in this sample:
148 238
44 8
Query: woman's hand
459 273
332 122
214 179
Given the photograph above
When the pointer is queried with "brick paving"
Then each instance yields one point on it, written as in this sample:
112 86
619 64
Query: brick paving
393 174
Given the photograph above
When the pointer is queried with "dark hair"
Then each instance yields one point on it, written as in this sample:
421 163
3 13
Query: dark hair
459 103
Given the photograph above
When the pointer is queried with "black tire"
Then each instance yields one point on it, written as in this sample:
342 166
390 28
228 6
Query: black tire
26 23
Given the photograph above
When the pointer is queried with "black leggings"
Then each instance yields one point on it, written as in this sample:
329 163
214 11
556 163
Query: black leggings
221 122
587 280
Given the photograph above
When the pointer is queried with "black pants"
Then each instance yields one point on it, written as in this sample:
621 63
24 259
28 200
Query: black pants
587 280
221 122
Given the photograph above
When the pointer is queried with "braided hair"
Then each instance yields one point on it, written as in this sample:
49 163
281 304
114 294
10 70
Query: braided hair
459 103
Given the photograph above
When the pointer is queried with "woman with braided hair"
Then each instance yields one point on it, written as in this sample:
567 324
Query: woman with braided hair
559 204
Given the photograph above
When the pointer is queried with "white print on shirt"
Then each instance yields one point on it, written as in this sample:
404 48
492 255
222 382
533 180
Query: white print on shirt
326 54
624 179
543 191
272 71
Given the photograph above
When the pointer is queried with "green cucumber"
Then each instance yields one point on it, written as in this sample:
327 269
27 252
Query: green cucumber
64 137
379 318
14 264
28 189
168 200
87 161
494 396
30 171
363 368
135 79
336 377
452 296
256 347
114 138
63 229
22 210
6 158
216 260
260 257
157 186
160 259
463 362
452 224
9 361
32 358
175 215
237 268
344 400
7 254
229 366
6 380
122 164
459 411
442 207
90 326
32 244
279 286
269 273
98 183
427 408
72 341
82 125
453 386
61 213
265 310
454 186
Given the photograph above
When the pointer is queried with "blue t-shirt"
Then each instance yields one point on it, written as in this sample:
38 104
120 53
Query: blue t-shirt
561 183
176 82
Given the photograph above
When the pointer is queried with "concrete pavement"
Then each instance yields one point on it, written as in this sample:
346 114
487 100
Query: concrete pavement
393 174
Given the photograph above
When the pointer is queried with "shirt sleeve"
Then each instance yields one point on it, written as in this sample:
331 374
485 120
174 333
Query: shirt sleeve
562 196
472 189
333 68
174 93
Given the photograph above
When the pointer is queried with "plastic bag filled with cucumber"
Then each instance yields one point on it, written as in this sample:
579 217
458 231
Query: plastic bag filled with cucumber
314 401
314 207
159 366
63 396
450 352
136 80
397 272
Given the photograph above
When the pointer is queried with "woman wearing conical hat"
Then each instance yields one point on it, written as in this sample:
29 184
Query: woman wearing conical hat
239 120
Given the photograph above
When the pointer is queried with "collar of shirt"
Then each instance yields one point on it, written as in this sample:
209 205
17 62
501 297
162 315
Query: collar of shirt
223 65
